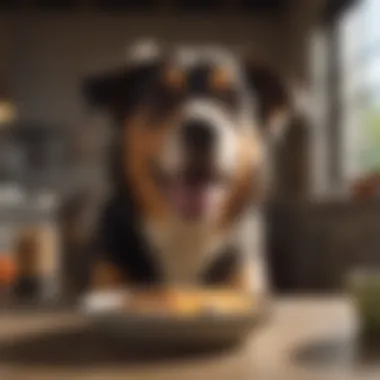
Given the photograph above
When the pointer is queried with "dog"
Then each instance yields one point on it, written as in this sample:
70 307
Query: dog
190 173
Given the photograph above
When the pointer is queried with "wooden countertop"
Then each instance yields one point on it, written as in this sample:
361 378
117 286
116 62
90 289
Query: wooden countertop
306 338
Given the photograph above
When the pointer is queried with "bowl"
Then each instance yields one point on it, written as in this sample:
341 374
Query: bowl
109 312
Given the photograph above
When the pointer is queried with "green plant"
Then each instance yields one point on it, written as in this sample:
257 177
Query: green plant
370 154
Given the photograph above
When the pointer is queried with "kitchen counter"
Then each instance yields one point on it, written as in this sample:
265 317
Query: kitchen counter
305 338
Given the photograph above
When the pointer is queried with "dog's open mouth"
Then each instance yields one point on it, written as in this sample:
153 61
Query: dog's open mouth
194 191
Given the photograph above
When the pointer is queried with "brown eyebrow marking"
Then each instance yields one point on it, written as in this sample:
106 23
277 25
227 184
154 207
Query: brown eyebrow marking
175 78
220 79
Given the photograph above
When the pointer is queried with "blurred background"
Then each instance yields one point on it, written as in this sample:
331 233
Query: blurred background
323 217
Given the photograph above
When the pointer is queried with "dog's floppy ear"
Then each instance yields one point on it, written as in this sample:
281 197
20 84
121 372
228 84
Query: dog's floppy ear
117 90
274 97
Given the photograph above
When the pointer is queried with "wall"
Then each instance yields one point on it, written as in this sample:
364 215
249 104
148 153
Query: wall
4 50
314 246
52 52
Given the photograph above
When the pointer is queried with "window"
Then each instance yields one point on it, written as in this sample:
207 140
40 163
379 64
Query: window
359 42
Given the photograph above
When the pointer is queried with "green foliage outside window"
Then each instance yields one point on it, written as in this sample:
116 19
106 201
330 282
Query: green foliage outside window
370 155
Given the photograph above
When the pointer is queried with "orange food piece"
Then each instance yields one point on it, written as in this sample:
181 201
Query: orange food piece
218 300
7 270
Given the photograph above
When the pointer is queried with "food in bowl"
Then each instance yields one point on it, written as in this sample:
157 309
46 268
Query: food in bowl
190 302
180 302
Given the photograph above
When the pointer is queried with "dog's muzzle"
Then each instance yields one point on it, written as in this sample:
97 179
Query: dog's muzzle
198 162
198 138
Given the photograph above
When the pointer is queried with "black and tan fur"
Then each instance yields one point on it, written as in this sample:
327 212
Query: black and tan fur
137 226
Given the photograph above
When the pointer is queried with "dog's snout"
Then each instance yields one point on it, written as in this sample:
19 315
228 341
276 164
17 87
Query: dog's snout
198 135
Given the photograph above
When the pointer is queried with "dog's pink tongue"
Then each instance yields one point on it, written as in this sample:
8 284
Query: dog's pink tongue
190 199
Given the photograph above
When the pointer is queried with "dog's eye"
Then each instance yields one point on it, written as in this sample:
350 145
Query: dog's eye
162 105
229 96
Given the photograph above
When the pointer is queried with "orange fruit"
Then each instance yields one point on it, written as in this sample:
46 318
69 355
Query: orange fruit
7 270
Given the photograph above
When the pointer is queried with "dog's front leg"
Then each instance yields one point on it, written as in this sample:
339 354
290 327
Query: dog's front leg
106 276
105 290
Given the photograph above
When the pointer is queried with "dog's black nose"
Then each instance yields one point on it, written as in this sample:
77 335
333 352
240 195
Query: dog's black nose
198 136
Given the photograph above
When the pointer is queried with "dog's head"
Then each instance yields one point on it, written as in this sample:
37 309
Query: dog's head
194 125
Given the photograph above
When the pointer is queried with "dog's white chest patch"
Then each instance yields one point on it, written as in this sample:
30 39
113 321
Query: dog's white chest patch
182 251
